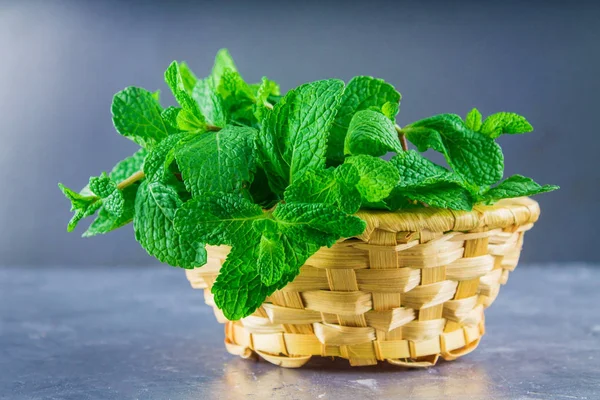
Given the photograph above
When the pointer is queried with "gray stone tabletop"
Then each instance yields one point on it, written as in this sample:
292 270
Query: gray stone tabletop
143 333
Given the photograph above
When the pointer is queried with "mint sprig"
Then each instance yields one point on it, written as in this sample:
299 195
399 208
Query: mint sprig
276 177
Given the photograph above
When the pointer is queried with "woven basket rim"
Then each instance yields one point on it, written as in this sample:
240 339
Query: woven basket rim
504 213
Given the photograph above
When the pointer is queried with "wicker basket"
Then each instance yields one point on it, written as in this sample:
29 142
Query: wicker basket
410 289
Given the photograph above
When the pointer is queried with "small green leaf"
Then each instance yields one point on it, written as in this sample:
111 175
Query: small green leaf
377 177
210 103
187 77
82 205
478 159
294 134
102 186
155 208
505 122
441 195
162 156
169 117
137 116
107 221
237 97
415 170
372 133
223 62
361 93
390 110
473 120
335 187
112 198
189 122
516 186
425 182
175 80
220 161
266 89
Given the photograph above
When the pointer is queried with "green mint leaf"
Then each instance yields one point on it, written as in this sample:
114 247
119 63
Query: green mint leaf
193 117
107 221
162 156
361 93
220 161
187 77
478 159
137 116
238 290
112 198
505 122
390 110
473 120
377 177
372 133
516 186
294 134
189 122
219 219
102 186
155 208
329 186
271 258
169 117
237 96
264 90
423 181
223 62
156 95
415 170
268 248
211 105
317 223
82 205
444 195
297 252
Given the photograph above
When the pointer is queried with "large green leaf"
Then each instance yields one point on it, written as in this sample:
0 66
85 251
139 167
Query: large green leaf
293 138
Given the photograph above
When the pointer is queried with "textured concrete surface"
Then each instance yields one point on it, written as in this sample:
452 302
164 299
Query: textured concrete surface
133 333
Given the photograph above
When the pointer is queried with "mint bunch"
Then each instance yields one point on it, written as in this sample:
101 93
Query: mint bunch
276 177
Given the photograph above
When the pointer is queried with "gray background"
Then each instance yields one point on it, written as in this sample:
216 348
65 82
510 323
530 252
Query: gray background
61 62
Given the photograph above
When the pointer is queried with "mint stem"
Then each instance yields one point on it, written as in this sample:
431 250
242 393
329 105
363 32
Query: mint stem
131 180
402 138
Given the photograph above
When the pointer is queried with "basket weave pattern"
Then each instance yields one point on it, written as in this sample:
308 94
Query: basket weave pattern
410 289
